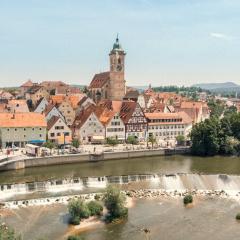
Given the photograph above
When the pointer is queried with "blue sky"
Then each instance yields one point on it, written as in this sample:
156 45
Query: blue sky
167 42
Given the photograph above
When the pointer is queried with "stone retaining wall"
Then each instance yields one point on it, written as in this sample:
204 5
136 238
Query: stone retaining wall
78 158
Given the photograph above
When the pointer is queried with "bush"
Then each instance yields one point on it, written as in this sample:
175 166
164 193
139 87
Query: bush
74 238
7 233
187 199
97 197
238 216
75 220
78 210
114 201
95 208
75 143
180 140
112 141
132 140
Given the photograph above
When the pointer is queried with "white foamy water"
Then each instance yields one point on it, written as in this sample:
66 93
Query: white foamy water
172 182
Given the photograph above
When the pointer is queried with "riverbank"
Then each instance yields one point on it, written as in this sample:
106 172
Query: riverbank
16 164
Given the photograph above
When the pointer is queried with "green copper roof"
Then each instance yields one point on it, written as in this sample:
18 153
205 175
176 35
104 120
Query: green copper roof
116 45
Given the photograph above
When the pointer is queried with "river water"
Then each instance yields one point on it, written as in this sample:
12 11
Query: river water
166 218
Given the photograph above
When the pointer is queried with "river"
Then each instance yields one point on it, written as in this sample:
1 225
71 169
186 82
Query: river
167 218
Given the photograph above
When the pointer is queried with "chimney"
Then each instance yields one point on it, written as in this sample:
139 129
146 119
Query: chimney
13 116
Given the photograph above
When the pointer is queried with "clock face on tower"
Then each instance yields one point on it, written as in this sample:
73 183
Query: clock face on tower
119 67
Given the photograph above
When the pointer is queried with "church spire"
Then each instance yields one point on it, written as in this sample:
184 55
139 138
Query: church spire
117 46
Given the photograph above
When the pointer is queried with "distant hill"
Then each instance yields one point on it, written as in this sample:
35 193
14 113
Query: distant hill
139 88
78 86
227 87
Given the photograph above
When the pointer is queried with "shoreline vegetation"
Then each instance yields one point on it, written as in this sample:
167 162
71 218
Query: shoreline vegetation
218 135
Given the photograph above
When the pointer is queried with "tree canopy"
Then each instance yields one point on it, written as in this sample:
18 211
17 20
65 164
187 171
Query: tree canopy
217 136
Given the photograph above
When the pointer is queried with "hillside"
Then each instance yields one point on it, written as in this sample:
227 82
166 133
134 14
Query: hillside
220 87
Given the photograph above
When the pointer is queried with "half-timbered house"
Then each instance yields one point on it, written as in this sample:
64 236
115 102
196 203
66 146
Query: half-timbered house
134 119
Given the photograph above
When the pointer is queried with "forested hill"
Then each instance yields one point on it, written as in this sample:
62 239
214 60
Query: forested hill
219 87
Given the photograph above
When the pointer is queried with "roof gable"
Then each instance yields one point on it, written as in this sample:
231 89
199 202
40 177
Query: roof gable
99 80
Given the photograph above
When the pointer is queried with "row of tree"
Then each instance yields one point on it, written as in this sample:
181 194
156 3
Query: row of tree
177 89
217 136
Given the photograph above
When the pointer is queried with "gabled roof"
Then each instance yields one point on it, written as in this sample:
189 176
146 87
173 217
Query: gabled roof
127 109
110 105
48 109
5 95
82 100
99 80
107 109
73 100
133 94
54 84
52 122
28 83
38 102
82 117
33 89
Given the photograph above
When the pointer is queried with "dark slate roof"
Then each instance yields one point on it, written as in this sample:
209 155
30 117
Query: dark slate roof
51 122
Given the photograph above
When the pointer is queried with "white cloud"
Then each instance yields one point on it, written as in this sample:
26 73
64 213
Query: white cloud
221 36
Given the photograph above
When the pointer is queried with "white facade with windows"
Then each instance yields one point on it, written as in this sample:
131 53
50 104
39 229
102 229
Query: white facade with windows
18 129
166 126
91 130
59 132
115 128
41 106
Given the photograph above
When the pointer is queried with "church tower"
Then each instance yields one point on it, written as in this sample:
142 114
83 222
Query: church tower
117 88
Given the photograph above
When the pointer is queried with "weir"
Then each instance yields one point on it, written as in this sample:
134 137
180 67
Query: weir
172 182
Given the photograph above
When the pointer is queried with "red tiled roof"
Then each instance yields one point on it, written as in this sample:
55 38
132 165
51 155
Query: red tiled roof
99 80
127 109
106 110
82 117
73 100
29 83
30 119
181 117
53 84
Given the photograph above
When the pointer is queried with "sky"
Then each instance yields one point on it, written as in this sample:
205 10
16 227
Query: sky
168 42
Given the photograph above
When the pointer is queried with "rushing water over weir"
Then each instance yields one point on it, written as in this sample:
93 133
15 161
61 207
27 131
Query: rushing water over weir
171 182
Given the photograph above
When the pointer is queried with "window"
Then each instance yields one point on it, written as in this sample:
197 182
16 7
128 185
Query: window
58 134
40 129
24 129
40 135
33 129
52 134
15 129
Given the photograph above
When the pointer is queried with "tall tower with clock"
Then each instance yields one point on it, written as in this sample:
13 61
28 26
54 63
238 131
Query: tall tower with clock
117 88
